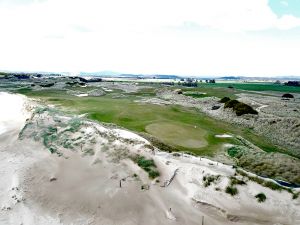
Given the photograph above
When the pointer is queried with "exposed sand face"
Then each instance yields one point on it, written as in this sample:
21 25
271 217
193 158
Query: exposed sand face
37 187
13 112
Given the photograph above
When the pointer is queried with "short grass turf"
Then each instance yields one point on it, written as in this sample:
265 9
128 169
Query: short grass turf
178 134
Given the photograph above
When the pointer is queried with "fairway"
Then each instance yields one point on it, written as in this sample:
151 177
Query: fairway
178 134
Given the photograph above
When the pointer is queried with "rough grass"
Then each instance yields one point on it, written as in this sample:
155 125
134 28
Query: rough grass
269 184
195 94
148 165
209 179
231 190
236 181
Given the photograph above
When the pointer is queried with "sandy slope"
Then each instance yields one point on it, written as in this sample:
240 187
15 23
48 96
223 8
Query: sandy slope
37 187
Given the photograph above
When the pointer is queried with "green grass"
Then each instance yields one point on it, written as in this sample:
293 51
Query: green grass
234 152
178 134
251 87
137 117
148 165
236 181
231 190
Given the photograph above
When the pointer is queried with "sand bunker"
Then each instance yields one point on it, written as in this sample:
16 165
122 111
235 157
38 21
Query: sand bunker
224 136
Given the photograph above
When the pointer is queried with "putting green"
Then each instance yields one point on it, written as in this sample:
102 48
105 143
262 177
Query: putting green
178 134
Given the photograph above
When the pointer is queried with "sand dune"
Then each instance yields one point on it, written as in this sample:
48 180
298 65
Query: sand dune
38 187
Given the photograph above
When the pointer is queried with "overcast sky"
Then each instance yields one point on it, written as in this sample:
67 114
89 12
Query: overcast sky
184 37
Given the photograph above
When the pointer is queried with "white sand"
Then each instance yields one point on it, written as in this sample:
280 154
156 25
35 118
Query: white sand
224 136
13 112
82 95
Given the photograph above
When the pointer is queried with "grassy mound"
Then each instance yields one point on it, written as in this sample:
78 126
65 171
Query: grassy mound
287 95
240 108
225 99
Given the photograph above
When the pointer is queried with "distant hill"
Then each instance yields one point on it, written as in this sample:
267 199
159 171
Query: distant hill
128 75
101 73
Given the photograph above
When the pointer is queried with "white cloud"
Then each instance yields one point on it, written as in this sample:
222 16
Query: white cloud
284 3
136 36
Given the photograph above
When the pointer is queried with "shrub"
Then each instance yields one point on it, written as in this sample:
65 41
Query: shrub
145 163
296 195
231 103
235 181
261 197
225 99
153 174
240 108
234 152
287 95
207 180
231 190
47 85
148 165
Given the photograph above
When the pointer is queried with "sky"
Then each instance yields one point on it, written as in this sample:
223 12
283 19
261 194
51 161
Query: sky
183 37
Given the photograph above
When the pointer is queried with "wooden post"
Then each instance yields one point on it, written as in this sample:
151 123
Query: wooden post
202 220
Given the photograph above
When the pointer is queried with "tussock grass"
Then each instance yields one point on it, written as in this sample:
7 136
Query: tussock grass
209 179
148 165
236 181
231 190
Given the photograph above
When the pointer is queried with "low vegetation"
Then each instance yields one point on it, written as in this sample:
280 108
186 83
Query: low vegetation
209 179
261 197
262 163
296 195
287 95
231 190
269 184
225 99
148 165
240 108
236 181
